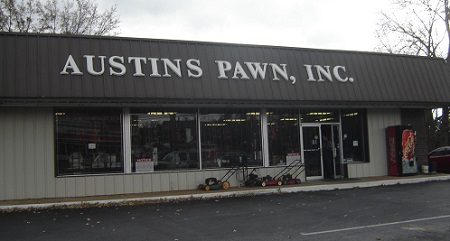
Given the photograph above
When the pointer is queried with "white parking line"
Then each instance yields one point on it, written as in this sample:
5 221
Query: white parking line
374 225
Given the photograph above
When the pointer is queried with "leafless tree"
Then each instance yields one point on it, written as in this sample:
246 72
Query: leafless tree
54 16
414 27
419 27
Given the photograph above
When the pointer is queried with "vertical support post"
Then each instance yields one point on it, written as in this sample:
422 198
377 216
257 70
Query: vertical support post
126 140
264 138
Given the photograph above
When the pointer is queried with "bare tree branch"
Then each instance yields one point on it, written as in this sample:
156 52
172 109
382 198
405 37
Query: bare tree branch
53 16
419 27
413 27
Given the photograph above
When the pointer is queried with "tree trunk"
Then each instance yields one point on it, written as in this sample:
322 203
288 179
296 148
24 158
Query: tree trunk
444 126
445 122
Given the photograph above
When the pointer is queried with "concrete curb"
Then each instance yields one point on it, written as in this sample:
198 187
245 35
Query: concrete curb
199 196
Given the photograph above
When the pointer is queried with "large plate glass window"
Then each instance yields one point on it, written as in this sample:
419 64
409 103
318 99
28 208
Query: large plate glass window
284 136
88 140
354 135
230 137
164 139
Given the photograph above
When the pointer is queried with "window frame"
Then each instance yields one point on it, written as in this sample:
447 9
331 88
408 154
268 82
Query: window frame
125 118
103 161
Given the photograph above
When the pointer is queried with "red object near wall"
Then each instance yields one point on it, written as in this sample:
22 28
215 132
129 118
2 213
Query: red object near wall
392 151
401 150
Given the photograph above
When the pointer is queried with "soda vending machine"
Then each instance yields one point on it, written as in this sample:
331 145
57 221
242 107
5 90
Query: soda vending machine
401 141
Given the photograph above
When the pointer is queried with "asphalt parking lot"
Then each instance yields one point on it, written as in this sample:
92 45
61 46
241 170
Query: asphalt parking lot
398 212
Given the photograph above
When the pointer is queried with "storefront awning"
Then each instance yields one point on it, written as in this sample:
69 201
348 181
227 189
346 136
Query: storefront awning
65 70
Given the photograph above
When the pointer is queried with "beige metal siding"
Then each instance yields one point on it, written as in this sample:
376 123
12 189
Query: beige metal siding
28 170
26 153
378 120
27 161
141 182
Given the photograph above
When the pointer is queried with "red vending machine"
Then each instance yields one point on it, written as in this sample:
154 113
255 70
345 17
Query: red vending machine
401 141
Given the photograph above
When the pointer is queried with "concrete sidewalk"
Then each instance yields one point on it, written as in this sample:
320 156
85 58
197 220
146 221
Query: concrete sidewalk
130 199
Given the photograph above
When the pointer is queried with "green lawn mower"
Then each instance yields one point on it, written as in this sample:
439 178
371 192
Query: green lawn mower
213 183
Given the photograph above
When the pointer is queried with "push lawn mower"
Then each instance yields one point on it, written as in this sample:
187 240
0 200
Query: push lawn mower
292 178
271 181
215 184
283 177
253 179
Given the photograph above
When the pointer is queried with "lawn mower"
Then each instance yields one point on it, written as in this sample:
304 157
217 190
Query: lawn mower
216 184
271 181
253 179
292 178
283 177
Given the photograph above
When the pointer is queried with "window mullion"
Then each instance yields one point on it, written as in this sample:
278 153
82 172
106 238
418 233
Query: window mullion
126 140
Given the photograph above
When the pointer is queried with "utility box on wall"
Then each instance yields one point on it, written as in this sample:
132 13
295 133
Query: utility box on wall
401 158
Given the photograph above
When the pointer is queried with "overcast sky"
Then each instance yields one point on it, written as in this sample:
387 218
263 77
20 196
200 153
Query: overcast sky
323 24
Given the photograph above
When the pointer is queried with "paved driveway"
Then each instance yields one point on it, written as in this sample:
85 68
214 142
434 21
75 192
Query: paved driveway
399 212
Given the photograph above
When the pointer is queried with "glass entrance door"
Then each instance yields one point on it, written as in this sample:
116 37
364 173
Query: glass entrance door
337 156
312 156
331 151
321 151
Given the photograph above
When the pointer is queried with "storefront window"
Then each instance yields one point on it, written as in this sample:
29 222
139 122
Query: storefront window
164 140
354 135
230 138
88 141
284 136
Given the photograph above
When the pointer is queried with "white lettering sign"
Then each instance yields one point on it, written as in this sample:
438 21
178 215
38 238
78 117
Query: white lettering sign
321 73
254 68
72 66
169 68
117 66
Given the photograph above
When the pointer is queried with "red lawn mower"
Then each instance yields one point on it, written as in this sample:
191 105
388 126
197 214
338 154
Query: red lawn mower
284 177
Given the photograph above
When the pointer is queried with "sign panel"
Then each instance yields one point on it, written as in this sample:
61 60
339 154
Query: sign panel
47 68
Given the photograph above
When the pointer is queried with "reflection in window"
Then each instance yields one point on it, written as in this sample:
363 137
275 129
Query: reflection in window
230 138
354 137
284 137
163 140
88 141
319 116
